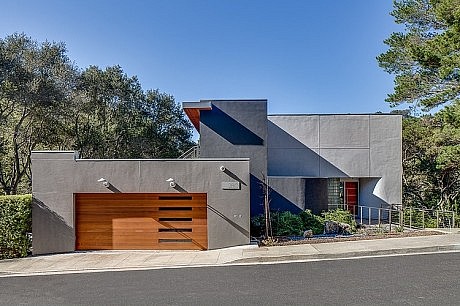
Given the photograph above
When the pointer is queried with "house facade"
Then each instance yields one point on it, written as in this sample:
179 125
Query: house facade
205 202
309 161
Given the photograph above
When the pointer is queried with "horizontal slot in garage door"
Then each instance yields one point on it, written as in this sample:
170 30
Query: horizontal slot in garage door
140 221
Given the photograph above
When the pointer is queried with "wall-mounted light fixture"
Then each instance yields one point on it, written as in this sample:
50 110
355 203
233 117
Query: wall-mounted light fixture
104 182
222 168
171 182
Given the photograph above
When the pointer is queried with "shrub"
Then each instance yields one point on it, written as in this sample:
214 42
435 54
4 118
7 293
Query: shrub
429 218
288 224
311 221
342 216
419 218
258 226
283 224
15 225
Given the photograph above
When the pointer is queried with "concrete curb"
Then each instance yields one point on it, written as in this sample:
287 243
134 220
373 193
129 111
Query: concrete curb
106 261
348 255
247 261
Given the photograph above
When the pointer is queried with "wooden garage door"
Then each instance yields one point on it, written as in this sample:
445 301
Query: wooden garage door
140 221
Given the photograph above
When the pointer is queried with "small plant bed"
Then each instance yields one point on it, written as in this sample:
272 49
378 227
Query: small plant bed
286 228
363 235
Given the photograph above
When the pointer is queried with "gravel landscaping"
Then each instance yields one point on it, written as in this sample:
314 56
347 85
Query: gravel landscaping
365 235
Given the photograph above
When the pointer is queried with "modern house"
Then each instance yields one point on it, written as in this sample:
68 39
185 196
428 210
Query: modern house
206 201
310 161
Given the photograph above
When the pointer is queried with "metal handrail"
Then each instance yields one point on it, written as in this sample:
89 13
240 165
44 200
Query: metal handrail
409 217
193 152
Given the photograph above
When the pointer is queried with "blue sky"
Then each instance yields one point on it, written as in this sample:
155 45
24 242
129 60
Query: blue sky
303 56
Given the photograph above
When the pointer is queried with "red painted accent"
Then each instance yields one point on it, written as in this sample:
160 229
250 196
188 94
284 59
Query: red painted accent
193 113
351 195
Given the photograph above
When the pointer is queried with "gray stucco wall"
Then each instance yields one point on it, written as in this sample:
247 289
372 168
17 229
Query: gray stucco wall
57 176
238 128
297 194
340 146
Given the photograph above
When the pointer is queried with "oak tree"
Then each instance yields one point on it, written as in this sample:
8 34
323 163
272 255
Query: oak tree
36 84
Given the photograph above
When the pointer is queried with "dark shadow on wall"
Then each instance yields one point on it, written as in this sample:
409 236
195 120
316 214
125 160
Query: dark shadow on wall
179 189
234 224
277 201
303 162
280 203
113 189
230 129
257 196
314 198
50 232
234 176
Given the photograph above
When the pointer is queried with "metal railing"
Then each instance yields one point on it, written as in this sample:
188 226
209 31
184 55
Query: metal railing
193 152
400 217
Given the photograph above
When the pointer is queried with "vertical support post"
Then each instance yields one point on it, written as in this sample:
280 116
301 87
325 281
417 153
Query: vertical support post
437 218
380 214
410 217
389 218
369 215
361 215
354 212
423 218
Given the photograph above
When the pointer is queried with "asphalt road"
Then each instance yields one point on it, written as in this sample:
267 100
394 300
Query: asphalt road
402 280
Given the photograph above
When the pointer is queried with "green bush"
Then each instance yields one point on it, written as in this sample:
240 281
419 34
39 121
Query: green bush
258 226
311 221
342 216
427 218
15 225
288 224
283 224
419 218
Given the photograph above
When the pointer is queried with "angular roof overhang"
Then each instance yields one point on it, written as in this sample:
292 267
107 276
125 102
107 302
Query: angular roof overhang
192 110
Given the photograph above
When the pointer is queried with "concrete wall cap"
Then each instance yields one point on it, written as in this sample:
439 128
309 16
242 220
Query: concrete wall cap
339 114
166 160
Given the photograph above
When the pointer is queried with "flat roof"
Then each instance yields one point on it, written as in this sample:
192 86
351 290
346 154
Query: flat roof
192 110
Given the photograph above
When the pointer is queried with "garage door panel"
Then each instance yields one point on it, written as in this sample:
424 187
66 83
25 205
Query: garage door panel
172 225
133 223
133 240
179 203
175 214
98 241
116 209
93 228
179 235
200 212
100 246
141 221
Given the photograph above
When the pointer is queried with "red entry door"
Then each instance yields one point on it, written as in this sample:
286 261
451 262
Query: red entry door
351 195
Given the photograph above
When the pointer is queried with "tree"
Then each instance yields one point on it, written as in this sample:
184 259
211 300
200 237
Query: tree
114 118
431 159
36 82
425 58
48 103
